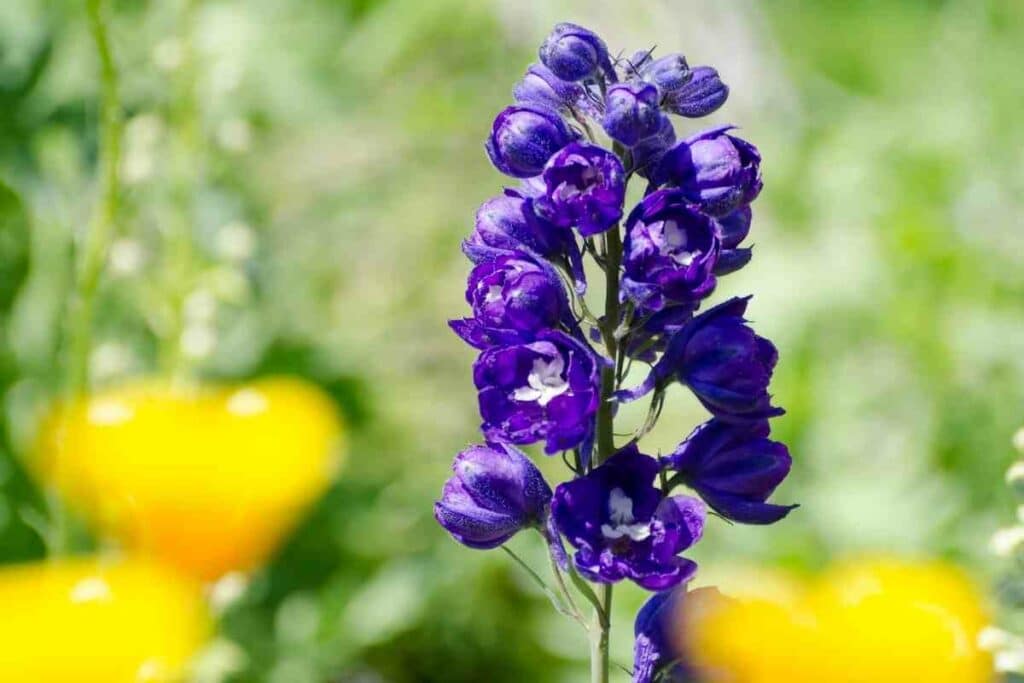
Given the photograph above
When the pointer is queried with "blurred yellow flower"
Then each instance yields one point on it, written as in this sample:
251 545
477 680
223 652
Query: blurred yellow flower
90 621
875 621
209 480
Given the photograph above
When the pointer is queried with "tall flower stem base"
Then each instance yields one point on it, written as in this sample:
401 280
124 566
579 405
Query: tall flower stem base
599 659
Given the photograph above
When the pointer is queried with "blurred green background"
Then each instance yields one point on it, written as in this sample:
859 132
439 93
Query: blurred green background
326 158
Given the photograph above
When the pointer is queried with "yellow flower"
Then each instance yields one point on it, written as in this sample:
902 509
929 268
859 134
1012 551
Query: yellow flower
88 621
209 480
878 621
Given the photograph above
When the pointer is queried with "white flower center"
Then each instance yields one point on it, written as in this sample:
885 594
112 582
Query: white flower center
620 513
493 294
675 243
544 383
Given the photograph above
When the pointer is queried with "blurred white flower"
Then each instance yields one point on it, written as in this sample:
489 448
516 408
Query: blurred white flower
235 241
168 54
140 139
992 638
229 283
227 590
218 660
1010 661
126 257
200 306
225 76
234 135
1018 441
110 359
1015 475
198 341
1005 542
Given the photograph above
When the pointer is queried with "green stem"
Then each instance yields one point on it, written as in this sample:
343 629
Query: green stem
104 217
599 659
92 256
188 170
606 437
605 426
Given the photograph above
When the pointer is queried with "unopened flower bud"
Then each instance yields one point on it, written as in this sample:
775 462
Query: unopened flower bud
574 53
702 94
631 112
670 73
540 86
496 492
524 137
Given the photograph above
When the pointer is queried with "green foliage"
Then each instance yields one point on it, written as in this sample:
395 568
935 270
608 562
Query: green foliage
348 136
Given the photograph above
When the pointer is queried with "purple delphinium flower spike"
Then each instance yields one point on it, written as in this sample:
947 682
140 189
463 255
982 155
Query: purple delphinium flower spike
513 297
719 172
701 95
585 186
654 656
509 223
722 361
496 492
734 468
621 526
574 53
631 112
523 138
546 390
670 252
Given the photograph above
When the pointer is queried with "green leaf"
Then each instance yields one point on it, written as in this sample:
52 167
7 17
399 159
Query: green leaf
14 246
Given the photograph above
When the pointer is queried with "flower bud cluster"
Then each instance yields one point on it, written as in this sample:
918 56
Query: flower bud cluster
582 126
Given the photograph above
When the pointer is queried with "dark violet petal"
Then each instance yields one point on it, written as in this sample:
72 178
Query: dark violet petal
653 651
584 188
744 510
731 260
684 517
735 227
664 577
718 172
670 252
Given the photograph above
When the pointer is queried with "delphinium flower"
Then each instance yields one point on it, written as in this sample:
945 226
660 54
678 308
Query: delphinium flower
553 365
